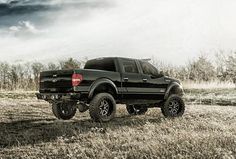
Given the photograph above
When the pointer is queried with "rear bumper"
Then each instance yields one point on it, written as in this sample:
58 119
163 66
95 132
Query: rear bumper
58 96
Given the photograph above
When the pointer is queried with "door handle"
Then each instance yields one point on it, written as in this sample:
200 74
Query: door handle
126 79
144 80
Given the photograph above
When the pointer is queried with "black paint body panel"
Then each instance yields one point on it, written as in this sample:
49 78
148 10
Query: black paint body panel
130 86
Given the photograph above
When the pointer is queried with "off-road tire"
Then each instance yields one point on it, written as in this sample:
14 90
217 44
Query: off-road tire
97 107
64 110
174 106
136 109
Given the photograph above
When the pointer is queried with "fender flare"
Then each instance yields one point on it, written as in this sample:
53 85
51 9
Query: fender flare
171 86
98 82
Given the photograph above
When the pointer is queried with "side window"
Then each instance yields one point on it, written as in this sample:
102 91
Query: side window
130 66
106 64
148 68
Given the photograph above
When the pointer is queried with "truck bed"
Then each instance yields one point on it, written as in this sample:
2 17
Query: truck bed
60 81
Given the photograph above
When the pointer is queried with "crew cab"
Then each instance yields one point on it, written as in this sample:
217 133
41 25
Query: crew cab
106 82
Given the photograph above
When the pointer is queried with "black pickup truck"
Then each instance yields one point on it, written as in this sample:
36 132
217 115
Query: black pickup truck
105 82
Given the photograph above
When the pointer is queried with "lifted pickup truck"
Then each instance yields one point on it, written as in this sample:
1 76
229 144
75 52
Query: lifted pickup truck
105 82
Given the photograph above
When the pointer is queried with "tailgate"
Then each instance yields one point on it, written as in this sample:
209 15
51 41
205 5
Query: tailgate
56 81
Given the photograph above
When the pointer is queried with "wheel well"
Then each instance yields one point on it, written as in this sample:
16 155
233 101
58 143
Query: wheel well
105 88
176 90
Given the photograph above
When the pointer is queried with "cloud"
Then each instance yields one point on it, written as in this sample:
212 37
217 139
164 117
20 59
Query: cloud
4 1
25 28
22 7
13 7
43 12
37 35
169 30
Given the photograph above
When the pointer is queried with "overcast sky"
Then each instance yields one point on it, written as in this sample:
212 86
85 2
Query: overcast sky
170 30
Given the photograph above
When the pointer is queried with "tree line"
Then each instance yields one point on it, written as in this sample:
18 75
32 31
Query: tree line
202 69
25 76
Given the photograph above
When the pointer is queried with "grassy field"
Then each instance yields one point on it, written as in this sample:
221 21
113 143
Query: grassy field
210 93
29 130
193 96
224 97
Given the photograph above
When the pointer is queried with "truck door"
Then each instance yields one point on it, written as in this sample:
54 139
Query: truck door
131 79
154 84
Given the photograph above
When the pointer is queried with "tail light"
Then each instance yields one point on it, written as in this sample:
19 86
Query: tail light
76 79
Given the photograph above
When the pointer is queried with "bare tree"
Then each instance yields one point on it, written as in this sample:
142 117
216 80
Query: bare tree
202 70
226 66
231 66
53 66
37 67
4 72
70 64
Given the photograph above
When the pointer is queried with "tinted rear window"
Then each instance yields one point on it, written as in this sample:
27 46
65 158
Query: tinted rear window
105 64
129 66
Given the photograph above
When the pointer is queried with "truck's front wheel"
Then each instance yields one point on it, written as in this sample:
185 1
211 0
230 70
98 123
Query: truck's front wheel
173 107
102 108
64 110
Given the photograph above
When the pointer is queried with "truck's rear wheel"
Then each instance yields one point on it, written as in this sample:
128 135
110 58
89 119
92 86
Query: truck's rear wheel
173 107
64 110
102 108
136 109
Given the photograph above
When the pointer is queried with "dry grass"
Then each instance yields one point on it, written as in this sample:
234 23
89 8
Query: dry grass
29 130
223 97
19 94
208 85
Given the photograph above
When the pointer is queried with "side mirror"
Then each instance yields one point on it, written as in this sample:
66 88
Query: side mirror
162 73
153 77
159 75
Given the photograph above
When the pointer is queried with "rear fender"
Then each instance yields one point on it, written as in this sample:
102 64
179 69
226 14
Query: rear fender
99 82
